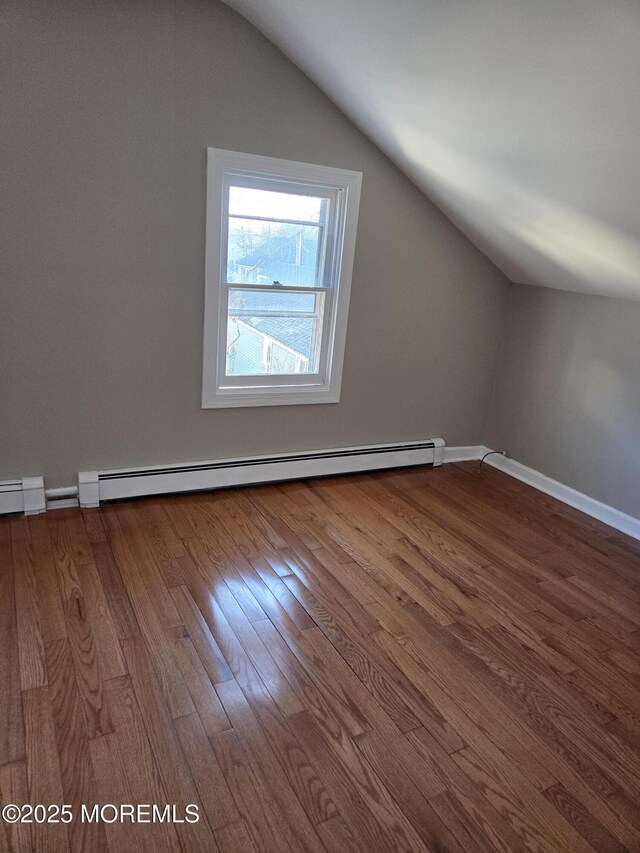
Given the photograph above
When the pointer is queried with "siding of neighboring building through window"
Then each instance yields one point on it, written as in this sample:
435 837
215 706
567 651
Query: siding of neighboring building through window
247 349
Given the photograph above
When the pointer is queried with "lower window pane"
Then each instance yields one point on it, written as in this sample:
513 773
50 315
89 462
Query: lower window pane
270 332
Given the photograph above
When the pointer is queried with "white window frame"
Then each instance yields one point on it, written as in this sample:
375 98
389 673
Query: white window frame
342 186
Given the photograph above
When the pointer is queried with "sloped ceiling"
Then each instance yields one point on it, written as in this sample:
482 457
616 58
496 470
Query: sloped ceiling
519 118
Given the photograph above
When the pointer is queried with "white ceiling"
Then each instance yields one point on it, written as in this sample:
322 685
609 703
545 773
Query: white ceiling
519 118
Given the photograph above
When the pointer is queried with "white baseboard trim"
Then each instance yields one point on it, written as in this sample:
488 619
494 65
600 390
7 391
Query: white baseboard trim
25 494
463 454
596 509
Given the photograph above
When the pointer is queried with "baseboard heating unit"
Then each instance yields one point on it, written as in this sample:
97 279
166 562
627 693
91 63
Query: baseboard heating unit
25 494
97 486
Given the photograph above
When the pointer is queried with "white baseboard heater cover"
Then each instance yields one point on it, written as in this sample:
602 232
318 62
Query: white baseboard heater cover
25 494
96 486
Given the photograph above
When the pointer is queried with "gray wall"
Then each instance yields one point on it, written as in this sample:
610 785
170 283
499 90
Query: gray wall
108 108
567 395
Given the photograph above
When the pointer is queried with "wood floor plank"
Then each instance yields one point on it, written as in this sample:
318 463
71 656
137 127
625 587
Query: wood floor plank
252 793
217 801
63 553
152 625
255 650
89 675
28 622
320 694
14 837
296 764
49 601
626 807
133 532
72 742
163 543
578 535
373 816
408 707
307 570
112 788
336 836
299 827
545 712
383 680
126 772
174 771
210 654
102 626
463 833
480 819
234 838
576 814
539 824
225 559
433 576
200 686
439 518
43 769
124 619
518 741
111 770
258 521
472 719
372 708
93 639
275 598
12 745
389 759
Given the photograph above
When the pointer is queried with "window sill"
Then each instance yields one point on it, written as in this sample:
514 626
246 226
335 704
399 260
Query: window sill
224 400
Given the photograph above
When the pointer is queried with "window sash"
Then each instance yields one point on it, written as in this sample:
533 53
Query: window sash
328 223
323 317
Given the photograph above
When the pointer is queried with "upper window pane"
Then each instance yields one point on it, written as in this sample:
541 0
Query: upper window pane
247 201
261 252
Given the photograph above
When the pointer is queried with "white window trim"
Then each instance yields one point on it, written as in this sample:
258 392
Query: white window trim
286 390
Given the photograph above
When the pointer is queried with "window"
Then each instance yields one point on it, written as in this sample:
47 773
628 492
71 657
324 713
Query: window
279 256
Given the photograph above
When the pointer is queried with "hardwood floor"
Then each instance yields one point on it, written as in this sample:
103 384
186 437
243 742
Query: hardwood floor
427 659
